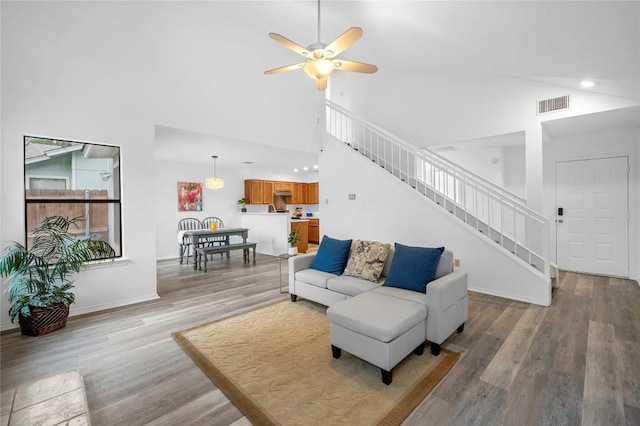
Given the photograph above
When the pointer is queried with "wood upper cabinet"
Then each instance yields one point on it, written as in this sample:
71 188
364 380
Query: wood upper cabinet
252 188
258 191
299 193
267 192
313 195
287 186
255 191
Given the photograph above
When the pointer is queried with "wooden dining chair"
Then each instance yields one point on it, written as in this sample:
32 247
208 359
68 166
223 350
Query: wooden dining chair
187 224
211 241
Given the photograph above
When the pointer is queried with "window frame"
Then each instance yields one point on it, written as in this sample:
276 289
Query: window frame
115 200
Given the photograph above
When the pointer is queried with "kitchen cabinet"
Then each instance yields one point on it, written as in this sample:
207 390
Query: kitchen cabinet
303 232
267 192
281 185
253 191
287 186
314 231
299 193
313 195
258 191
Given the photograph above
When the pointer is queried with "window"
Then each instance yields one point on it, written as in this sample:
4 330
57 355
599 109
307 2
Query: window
74 179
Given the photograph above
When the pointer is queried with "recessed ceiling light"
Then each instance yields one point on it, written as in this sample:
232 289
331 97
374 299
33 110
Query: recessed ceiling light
295 170
305 168
587 84
315 166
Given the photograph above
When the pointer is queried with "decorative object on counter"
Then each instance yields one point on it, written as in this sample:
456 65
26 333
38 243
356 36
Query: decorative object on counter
309 214
243 204
298 212
294 237
189 196
214 183
39 291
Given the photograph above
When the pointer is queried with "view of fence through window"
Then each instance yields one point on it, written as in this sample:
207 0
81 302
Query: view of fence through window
74 179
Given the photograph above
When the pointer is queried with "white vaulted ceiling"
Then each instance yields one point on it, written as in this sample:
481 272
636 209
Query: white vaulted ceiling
558 43
199 66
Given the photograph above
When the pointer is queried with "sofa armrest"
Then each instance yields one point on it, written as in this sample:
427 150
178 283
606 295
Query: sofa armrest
445 291
447 307
298 263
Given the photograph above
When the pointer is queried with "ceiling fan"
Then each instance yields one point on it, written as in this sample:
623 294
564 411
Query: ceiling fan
321 58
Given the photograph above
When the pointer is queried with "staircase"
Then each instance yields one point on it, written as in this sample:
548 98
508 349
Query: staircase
484 207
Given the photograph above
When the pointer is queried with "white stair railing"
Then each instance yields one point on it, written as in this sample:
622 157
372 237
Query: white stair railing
491 210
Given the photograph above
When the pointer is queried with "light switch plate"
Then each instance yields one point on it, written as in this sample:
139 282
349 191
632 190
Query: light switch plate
352 197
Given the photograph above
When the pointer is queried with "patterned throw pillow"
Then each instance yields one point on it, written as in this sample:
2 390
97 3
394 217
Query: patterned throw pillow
367 260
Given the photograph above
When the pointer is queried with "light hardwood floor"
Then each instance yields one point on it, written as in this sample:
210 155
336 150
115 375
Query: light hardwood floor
576 362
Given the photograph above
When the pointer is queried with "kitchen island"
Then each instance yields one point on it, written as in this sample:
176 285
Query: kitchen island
269 230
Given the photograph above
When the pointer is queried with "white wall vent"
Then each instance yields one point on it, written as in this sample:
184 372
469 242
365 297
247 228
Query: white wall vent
553 104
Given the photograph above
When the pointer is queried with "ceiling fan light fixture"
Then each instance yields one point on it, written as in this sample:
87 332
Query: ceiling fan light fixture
320 57
318 68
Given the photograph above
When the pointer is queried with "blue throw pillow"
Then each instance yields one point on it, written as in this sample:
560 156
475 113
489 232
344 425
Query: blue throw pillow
412 268
332 255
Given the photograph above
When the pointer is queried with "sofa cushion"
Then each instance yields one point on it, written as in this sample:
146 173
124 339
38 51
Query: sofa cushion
332 255
313 277
402 293
367 259
377 316
445 266
350 286
413 267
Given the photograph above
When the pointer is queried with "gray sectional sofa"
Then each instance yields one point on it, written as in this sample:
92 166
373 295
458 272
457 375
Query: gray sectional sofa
445 299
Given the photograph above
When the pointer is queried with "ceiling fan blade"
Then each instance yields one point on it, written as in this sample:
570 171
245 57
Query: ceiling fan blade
284 69
343 41
289 44
344 65
321 83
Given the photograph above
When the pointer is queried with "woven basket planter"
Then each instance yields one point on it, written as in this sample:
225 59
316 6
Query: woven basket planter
44 320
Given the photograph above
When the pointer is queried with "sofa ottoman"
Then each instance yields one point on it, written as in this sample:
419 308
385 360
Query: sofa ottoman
379 329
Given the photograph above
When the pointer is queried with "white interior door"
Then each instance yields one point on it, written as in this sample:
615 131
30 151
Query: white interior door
592 219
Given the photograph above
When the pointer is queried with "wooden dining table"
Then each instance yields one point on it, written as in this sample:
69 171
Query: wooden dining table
199 236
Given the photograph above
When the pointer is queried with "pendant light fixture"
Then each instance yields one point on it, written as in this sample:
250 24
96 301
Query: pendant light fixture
214 182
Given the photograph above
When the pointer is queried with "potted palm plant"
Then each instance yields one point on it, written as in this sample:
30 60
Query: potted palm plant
294 237
39 290
243 204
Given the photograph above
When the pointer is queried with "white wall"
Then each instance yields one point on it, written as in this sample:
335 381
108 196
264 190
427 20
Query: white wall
48 90
387 210
601 144
514 163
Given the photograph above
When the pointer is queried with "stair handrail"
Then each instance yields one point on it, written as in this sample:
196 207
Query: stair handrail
447 164
502 195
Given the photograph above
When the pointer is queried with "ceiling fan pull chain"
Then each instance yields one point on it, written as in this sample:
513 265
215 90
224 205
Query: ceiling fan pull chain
318 21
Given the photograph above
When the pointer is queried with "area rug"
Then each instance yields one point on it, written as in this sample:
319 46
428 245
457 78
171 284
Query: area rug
275 365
